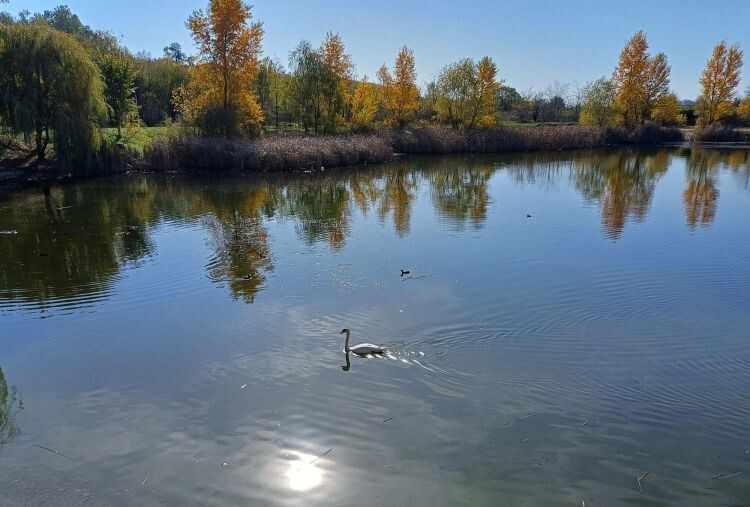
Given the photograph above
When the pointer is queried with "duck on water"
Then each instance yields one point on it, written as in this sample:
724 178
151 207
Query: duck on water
361 349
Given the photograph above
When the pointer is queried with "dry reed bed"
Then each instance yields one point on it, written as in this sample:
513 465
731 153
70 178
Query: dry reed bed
272 153
720 134
300 152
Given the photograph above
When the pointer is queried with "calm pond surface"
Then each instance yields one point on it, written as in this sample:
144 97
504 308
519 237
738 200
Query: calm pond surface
177 341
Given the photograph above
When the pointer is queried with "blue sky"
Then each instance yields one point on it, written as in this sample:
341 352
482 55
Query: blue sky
533 42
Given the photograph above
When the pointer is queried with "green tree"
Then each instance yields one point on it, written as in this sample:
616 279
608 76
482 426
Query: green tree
466 93
309 77
272 89
156 83
97 42
119 73
174 52
600 104
50 90
506 100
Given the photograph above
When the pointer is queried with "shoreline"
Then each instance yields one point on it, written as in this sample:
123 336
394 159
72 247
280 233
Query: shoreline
296 153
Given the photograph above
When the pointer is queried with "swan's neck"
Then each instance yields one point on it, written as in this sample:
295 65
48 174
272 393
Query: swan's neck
346 343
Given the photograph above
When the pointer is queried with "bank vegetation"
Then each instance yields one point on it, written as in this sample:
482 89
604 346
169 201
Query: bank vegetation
74 98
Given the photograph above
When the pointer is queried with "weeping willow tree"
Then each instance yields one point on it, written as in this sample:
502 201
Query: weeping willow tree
51 92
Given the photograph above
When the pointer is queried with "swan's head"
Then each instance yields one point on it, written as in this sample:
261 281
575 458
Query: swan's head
344 331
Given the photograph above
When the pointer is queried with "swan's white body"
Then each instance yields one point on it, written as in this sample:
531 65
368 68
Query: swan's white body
362 349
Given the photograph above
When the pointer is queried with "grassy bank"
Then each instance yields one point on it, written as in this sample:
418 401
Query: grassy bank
299 152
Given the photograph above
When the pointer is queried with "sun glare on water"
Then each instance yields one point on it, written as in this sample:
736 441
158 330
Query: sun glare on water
303 475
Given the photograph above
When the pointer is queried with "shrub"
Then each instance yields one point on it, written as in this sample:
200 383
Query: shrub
649 133
720 134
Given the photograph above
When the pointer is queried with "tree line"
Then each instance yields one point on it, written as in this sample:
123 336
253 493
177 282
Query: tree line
60 81
638 91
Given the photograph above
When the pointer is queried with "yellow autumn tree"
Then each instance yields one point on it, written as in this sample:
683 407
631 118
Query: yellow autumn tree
667 111
640 80
220 98
487 88
399 91
364 104
338 64
743 110
719 82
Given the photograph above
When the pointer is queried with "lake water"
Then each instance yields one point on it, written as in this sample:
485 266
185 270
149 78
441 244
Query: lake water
570 322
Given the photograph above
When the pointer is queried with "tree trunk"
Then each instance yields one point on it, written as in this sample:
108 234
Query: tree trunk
40 146
226 89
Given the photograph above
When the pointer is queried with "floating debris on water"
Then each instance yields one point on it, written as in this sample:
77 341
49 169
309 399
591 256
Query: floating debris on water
324 454
639 479
53 451
725 476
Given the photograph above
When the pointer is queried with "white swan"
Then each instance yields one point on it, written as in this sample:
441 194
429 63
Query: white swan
361 349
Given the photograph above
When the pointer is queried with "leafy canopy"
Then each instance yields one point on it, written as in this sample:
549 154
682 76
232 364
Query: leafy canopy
640 80
719 82
466 93
40 98
399 91
219 98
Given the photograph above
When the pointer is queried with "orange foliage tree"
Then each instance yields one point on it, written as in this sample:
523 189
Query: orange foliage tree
719 82
219 98
640 80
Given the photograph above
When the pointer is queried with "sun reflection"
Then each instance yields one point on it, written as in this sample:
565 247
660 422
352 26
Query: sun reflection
302 474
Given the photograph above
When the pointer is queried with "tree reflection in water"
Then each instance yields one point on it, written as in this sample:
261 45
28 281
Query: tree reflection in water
10 405
701 195
460 193
242 253
74 240
623 183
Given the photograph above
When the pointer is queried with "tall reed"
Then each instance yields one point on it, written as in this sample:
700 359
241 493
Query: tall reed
297 152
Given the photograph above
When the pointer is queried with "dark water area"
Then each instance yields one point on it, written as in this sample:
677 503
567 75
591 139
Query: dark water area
570 322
